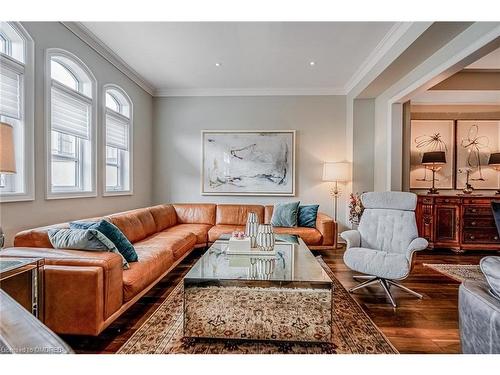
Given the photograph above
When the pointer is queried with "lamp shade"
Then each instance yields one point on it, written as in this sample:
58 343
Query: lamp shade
434 157
7 156
494 158
335 171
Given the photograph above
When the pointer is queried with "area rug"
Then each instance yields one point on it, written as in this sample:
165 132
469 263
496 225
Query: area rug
458 272
353 332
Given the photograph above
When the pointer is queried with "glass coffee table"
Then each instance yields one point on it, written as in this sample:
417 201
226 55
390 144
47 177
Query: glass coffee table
283 296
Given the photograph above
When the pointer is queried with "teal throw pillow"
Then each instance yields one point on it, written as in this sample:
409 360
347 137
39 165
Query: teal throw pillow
112 232
83 239
307 215
285 214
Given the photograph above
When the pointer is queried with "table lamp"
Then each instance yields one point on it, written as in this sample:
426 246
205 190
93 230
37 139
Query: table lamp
494 161
434 161
335 172
7 157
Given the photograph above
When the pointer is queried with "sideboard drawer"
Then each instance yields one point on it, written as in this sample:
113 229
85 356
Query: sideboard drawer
483 235
477 211
447 200
479 222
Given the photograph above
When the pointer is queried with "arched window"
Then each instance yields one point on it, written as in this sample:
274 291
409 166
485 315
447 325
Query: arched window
17 108
71 91
118 125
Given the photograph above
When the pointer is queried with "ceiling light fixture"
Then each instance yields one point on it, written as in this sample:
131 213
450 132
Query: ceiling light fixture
217 64
312 63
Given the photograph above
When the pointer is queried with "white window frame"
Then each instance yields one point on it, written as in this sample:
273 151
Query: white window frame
49 193
130 190
27 71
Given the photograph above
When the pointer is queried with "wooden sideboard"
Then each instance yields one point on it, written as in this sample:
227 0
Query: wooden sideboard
457 222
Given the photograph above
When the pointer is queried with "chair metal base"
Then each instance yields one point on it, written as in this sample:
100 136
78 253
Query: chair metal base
386 285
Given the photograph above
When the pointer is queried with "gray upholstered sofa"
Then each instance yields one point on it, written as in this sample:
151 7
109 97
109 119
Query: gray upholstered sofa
479 311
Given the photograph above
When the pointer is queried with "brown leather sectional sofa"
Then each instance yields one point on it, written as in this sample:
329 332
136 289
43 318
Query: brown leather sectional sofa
85 291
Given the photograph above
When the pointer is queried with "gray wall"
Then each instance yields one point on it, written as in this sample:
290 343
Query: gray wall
363 152
16 216
320 122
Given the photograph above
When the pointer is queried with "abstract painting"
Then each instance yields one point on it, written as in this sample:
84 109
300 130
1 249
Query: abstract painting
248 162
427 136
475 141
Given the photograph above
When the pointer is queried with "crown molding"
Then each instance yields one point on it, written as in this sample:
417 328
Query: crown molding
89 38
166 92
395 33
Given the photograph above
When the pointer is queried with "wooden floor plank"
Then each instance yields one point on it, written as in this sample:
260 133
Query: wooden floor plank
429 325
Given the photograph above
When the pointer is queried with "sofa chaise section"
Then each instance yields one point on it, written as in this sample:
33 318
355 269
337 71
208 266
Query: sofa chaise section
83 293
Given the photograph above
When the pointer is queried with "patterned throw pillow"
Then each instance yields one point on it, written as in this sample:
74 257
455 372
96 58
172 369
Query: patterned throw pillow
308 215
112 232
83 239
285 214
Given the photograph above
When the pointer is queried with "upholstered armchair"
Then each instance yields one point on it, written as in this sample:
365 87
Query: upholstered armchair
382 247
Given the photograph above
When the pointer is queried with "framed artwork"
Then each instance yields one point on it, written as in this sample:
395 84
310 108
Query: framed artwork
475 141
427 136
254 162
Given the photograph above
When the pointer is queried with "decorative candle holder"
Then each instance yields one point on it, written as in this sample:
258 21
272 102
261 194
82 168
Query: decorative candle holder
251 228
265 237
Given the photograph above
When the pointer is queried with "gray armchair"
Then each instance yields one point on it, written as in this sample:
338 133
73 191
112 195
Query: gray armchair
479 310
383 246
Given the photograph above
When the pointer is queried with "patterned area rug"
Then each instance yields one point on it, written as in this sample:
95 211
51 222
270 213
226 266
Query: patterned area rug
353 332
458 272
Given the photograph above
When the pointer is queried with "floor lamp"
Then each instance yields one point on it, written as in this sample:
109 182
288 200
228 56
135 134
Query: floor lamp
7 157
335 172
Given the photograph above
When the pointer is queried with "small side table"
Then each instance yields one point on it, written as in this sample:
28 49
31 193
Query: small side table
22 279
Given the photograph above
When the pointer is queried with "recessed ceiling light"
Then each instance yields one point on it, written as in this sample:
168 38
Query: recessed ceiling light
217 64
312 63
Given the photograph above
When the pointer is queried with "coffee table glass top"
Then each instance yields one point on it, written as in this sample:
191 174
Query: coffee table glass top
290 263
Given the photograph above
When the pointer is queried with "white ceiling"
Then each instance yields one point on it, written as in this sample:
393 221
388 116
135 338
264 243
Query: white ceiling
180 57
489 61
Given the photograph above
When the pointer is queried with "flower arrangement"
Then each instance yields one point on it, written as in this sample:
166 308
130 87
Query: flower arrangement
355 208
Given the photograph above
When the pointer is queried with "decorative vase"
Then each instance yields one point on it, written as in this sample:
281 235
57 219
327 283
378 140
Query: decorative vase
265 237
251 228
261 268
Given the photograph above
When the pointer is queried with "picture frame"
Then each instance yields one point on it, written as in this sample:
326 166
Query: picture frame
427 136
248 162
475 141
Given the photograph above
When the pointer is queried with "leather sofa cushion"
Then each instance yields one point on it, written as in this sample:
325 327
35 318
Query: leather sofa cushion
215 232
178 242
268 213
237 214
195 213
311 236
155 257
164 216
135 224
199 230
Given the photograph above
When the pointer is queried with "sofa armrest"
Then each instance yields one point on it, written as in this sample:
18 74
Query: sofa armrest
102 273
326 226
352 237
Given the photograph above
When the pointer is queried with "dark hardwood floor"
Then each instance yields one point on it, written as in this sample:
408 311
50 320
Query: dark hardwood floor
429 325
